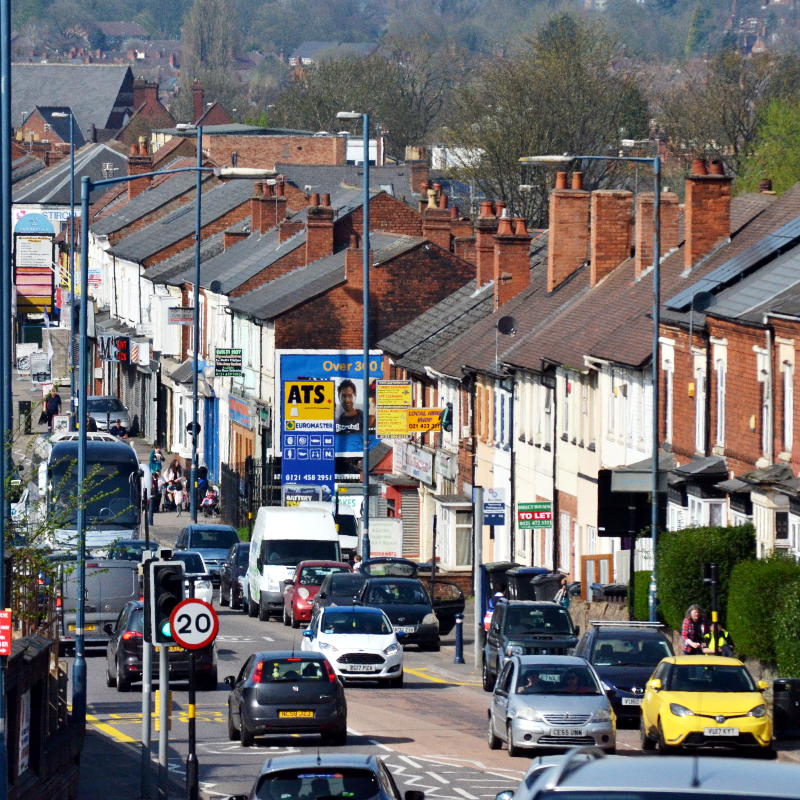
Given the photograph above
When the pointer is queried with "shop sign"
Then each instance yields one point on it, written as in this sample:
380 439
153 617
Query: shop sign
414 461
239 412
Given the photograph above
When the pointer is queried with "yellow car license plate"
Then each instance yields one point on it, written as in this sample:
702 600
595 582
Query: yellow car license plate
294 714
174 649
85 627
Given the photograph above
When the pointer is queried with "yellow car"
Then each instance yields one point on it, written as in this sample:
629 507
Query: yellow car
705 701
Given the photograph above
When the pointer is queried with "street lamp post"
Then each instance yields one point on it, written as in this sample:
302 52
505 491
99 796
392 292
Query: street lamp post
365 543
62 115
196 324
655 163
87 186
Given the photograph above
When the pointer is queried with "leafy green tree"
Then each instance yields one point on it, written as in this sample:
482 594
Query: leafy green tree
700 29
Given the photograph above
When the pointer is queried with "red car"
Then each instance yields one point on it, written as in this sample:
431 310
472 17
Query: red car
302 588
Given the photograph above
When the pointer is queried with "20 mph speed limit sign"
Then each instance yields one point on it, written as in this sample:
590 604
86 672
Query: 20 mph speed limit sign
194 624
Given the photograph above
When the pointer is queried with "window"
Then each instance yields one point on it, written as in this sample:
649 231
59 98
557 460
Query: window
564 526
782 525
788 406
700 411
720 373
463 538
567 408
668 401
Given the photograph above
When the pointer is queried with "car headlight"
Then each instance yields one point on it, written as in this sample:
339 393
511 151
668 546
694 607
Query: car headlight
430 619
601 715
530 714
391 649
326 646
758 711
680 711
514 650
303 592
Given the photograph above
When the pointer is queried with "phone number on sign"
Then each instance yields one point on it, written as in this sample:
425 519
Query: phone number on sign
296 476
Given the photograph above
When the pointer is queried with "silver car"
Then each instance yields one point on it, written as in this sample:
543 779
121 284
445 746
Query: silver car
105 410
550 702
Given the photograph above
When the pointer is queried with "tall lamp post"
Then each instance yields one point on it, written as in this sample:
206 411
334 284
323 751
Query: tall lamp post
365 544
655 164
87 186
63 115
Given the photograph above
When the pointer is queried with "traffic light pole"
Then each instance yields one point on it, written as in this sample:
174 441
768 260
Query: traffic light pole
192 767
163 719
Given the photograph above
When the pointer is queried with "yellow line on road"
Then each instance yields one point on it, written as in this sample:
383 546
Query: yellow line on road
422 673
108 730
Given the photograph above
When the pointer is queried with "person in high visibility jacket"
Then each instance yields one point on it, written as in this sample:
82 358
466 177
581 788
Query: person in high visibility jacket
722 645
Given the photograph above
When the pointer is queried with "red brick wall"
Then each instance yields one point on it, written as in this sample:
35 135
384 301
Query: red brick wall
512 263
670 227
386 213
291 261
265 151
35 124
569 234
319 233
708 215
610 243
436 226
787 330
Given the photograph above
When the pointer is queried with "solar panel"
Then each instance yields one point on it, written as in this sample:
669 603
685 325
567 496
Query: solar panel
737 266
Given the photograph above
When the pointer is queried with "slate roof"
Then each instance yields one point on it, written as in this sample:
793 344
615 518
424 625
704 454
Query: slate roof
304 283
52 184
23 165
60 125
414 346
123 29
91 90
395 179
314 50
179 269
181 223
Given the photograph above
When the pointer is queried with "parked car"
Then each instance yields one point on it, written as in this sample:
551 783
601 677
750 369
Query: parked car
586 774
302 588
705 701
124 654
105 410
408 605
359 642
132 549
549 701
213 542
624 655
195 570
323 775
522 627
231 575
286 692
339 589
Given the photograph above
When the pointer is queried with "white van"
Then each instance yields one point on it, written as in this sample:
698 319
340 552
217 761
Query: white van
347 522
282 538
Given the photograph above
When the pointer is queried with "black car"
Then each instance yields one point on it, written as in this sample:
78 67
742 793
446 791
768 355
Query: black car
524 627
286 692
408 605
339 589
124 654
233 568
624 656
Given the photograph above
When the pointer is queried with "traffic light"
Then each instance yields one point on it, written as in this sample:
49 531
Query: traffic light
164 590
447 417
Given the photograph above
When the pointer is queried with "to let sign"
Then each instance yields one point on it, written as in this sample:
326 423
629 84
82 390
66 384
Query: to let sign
180 315
5 632
535 515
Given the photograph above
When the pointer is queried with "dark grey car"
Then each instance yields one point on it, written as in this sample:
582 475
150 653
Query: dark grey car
339 589
286 692
233 568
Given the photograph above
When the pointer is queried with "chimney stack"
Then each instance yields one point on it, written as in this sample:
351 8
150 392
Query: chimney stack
612 215
485 229
568 246
139 161
436 221
708 210
643 236
354 264
319 228
512 260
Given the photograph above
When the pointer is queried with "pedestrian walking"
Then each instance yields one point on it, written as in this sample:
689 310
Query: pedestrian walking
178 497
155 492
693 630
357 563
157 460
51 405
175 470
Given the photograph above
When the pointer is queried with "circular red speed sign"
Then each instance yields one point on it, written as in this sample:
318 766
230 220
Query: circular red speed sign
194 623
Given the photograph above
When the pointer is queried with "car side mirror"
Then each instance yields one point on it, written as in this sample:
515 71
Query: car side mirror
414 794
322 595
654 684
400 635
577 630
289 582
229 681
308 633
762 686
109 628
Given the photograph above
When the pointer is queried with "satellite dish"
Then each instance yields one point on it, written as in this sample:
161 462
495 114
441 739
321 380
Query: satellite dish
215 287
507 325
701 301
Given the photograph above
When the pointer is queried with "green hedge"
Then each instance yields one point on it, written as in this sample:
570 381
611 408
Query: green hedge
641 588
757 590
787 631
681 556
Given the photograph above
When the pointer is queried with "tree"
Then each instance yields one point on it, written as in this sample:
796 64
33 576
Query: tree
539 102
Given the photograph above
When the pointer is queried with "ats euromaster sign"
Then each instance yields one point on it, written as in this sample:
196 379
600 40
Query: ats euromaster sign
345 370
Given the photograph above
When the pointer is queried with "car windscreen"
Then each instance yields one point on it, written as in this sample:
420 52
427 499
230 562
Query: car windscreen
556 679
290 552
340 621
315 783
387 593
278 670
243 556
550 620
129 552
621 650
192 562
709 678
313 576
136 621
216 539
103 405
346 584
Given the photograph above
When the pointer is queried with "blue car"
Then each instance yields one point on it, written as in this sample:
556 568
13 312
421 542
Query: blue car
213 542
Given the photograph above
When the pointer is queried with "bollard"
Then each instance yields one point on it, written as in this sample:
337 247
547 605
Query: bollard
459 659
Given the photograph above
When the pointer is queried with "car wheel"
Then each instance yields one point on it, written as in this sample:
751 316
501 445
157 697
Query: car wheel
252 607
295 622
232 598
664 749
263 613
645 741
223 600
285 617
337 738
397 683
493 741
123 682
245 735
233 733
487 679
111 680
767 753
208 683
513 750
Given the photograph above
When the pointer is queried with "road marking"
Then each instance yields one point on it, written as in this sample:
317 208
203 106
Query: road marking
267 638
409 761
108 730
421 672
437 777
464 793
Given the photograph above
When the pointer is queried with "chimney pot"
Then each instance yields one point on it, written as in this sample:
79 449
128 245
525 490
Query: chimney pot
280 188
504 228
134 150
765 185
520 228
577 180
453 212
699 166
354 241
442 200
500 207
561 180
326 200
716 167
486 208
258 188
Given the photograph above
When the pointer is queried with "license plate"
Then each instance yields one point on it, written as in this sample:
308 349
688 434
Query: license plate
566 732
721 732
405 628
174 649
85 627
361 668
295 714
631 701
